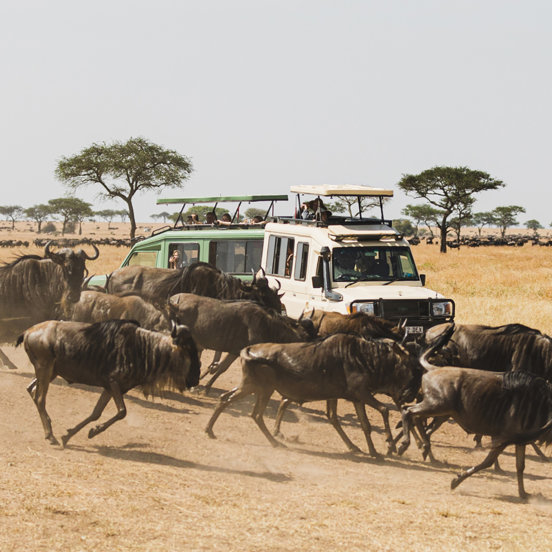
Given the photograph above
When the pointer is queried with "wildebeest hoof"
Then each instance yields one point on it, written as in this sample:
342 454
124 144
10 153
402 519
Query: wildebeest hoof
64 439
94 431
455 482
52 440
402 448
210 433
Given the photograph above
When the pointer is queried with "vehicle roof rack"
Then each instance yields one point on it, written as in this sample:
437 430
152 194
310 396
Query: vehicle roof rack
344 191
223 199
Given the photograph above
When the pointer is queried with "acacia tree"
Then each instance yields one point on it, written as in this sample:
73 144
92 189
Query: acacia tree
349 204
107 215
481 219
534 225
124 169
164 216
449 189
422 213
12 212
38 213
71 209
505 216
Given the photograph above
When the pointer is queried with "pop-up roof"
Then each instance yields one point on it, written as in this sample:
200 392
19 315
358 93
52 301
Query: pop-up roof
336 190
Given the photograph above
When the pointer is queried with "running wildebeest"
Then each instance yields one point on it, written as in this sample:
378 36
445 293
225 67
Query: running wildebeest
513 408
229 326
117 355
366 326
199 278
96 306
502 348
339 366
34 289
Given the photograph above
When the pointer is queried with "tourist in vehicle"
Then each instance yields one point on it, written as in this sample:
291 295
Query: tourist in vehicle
210 218
344 264
257 219
174 260
225 220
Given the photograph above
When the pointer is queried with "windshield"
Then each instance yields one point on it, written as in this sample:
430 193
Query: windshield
373 263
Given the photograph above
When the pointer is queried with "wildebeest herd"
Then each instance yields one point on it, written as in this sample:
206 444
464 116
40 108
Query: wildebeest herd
148 326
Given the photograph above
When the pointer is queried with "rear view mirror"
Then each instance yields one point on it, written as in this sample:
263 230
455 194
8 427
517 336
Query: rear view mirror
317 282
423 279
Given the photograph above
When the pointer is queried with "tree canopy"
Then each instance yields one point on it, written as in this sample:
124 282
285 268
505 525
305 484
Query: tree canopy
71 209
12 212
121 170
505 216
38 213
449 189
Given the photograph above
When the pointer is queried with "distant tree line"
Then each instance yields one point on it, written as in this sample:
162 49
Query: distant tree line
70 211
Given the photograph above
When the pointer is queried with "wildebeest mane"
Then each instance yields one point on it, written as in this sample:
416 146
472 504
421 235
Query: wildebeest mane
7 264
515 329
125 343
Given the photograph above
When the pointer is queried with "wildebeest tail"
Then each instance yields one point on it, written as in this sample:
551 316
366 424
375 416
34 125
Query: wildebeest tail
438 342
20 340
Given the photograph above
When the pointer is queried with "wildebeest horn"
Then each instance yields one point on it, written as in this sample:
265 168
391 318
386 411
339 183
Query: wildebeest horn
86 256
254 276
279 285
48 253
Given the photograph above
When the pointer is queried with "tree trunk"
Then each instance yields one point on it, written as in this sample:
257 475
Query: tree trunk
132 220
443 246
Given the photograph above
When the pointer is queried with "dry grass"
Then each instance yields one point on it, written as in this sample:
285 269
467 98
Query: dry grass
154 481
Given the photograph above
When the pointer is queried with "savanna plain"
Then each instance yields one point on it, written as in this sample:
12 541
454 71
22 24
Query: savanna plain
155 481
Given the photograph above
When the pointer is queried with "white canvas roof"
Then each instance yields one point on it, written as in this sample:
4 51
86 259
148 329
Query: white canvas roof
336 190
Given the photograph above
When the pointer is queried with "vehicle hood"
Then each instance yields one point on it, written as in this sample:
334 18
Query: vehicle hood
392 291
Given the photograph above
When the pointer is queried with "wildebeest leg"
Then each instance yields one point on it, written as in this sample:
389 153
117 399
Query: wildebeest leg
420 410
477 438
38 393
224 400
520 466
214 363
31 388
366 428
489 461
331 414
221 368
284 403
105 397
5 361
115 392
263 396
539 453
384 411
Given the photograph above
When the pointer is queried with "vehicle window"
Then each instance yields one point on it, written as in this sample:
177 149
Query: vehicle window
236 256
280 255
188 253
301 257
143 258
374 263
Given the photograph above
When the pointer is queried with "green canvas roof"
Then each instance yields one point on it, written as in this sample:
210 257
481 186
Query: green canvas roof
220 199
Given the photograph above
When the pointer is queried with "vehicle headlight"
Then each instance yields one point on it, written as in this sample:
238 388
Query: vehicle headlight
441 308
367 308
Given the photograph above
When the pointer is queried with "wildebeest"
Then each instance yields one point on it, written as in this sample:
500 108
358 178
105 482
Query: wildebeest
229 326
501 349
199 278
34 288
117 355
369 327
513 408
95 306
339 366
359 323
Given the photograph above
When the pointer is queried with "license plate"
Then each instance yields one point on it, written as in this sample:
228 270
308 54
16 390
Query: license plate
414 330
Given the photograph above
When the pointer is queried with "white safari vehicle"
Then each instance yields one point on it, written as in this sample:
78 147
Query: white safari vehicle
349 264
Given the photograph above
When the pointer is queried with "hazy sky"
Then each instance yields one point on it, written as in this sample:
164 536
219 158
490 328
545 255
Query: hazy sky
265 94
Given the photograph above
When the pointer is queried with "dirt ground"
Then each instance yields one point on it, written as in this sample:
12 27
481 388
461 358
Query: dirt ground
155 481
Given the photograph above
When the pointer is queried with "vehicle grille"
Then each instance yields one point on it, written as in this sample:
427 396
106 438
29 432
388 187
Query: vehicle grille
397 309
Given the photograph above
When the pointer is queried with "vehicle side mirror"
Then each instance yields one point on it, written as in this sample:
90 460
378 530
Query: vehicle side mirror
423 279
317 282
